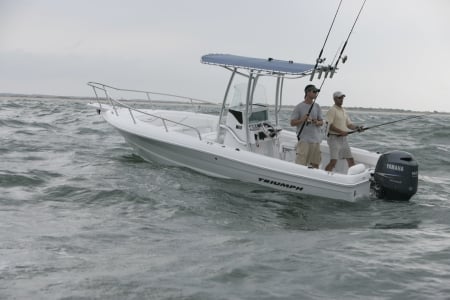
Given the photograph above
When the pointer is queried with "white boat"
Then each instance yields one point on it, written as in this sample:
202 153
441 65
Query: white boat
246 142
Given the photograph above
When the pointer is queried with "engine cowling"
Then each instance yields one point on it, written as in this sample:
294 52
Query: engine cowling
396 176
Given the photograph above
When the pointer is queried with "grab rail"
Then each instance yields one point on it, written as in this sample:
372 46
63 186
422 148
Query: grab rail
104 87
227 128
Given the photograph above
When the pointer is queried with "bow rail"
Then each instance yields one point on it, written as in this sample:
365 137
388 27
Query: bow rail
177 99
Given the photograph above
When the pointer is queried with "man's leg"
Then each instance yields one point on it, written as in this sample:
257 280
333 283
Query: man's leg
333 145
301 153
315 156
331 165
351 162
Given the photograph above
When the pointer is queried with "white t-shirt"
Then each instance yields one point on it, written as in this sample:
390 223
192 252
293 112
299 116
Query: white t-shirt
310 133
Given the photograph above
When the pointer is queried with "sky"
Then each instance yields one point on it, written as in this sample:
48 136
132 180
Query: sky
398 53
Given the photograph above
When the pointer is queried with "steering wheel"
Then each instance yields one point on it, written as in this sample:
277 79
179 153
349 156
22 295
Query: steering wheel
269 129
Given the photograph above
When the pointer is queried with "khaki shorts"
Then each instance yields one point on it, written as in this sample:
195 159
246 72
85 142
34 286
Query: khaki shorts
339 147
307 153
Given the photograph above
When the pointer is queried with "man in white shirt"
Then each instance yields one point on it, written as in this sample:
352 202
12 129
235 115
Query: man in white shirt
340 124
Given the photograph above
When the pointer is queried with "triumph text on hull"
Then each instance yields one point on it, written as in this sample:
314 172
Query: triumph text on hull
245 141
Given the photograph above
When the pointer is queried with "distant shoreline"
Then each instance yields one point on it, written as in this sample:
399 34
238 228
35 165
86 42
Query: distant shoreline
86 98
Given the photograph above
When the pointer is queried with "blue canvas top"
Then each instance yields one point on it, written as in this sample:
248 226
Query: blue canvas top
259 64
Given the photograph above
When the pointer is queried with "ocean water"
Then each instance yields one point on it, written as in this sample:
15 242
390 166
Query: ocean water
81 217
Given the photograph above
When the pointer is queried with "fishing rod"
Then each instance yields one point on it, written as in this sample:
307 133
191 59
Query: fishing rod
319 59
309 111
391 122
346 41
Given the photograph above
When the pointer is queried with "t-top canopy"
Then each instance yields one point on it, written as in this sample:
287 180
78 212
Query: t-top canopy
269 65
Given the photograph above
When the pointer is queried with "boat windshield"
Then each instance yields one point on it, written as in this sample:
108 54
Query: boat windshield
240 96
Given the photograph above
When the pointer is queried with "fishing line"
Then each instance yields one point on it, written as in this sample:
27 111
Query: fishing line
391 122
336 54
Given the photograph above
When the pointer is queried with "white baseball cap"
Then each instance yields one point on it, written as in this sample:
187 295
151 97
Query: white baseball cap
338 94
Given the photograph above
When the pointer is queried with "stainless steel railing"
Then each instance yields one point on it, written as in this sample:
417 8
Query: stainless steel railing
116 103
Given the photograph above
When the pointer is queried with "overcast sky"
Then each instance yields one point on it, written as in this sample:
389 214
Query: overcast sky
398 54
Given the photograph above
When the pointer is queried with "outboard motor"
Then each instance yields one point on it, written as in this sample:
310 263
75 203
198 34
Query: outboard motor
396 176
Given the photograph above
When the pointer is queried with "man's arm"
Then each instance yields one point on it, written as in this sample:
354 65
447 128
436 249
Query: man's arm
296 122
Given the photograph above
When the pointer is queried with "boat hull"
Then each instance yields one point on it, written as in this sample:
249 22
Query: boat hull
155 144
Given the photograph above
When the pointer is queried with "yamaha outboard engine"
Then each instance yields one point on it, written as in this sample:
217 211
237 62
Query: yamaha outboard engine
396 176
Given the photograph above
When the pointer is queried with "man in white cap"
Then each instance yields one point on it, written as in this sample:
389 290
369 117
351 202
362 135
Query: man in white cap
339 125
307 117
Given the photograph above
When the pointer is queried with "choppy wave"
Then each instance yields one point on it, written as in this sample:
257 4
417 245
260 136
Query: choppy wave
83 217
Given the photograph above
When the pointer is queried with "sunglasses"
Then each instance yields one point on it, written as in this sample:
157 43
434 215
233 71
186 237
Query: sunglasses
315 91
